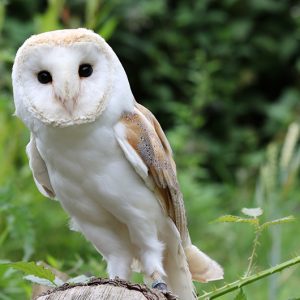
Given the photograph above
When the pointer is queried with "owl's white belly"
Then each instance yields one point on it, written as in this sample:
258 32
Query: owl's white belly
99 188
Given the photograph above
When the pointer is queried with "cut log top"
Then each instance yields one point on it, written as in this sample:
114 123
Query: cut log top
105 289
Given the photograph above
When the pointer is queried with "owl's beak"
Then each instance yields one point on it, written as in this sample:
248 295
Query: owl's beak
67 94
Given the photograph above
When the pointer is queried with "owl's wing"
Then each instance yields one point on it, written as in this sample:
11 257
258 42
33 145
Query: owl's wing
39 169
148 150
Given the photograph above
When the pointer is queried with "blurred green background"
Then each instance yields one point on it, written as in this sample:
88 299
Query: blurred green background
222 77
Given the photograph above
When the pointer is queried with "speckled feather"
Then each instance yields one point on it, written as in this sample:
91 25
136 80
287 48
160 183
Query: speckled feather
145 135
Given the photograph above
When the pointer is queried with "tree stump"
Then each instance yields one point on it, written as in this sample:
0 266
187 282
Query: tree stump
105 289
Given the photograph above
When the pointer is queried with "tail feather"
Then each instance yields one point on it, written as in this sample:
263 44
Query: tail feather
202 267
185 264
179 279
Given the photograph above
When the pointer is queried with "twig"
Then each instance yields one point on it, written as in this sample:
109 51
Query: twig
258 232
242 282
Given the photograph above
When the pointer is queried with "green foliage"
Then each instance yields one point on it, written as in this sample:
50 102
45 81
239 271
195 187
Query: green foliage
277 222
236 219
238 284
278 177
253 219
222 79
49 19
39 274
240 295
34 270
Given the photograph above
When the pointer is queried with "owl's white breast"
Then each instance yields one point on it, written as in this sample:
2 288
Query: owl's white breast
92 177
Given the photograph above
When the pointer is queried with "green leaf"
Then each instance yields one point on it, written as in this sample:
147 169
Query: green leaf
235 219
6 56
39 280
240 296
50 19
79 279
108 28
31 268
91 9
278 221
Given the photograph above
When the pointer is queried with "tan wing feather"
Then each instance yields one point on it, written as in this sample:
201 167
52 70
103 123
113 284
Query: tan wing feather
145 136
39 169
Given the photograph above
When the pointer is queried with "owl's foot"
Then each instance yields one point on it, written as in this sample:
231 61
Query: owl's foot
158 283
159 286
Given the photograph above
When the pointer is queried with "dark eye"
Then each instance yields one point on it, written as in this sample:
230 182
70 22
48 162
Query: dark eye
85 70
44 77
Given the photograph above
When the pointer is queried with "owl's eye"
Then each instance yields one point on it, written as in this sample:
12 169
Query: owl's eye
44 77
85 70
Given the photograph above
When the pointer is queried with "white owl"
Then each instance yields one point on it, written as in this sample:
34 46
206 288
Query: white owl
106 159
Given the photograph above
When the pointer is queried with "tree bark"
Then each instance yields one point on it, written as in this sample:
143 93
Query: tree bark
105 289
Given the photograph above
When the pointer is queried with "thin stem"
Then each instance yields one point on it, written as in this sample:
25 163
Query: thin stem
245 281
253 253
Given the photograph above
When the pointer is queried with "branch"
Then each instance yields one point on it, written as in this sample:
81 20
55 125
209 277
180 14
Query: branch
244 281
107 289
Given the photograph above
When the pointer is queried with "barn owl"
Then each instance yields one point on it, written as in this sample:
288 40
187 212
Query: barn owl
106 159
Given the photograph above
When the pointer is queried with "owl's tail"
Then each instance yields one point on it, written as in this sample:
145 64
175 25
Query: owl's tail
185 264
201 266
179 279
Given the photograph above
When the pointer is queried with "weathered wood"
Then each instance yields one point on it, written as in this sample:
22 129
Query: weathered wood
106 289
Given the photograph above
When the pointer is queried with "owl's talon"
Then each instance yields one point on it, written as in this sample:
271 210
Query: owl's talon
159 286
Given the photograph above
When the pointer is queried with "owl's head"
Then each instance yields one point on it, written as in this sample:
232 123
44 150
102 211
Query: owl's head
66 77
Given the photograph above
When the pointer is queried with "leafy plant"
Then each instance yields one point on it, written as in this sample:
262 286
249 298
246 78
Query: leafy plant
35 273
228 288
275 186
41 275
252 219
